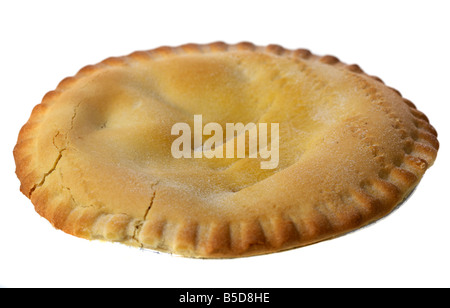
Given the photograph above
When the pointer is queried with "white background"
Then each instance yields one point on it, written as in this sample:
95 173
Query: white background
406 43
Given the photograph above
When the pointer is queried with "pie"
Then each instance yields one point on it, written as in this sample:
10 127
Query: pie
95 155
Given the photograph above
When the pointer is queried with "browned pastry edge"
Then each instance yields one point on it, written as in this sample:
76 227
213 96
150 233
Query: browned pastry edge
221 240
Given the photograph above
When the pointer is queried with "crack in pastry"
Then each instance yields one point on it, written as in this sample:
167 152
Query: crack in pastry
46 174
351 149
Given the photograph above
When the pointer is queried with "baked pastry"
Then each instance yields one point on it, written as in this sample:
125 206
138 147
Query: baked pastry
95 156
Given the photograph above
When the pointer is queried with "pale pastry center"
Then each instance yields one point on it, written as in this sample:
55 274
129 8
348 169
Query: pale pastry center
126 113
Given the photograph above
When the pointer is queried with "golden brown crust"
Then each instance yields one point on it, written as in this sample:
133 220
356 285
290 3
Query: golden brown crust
360 174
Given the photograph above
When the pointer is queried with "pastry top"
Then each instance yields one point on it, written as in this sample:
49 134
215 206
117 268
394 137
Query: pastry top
95 156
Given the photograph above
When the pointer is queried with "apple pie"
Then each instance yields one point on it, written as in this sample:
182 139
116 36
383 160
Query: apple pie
96 155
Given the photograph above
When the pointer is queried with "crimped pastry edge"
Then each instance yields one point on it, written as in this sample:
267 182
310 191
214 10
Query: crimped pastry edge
222 240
